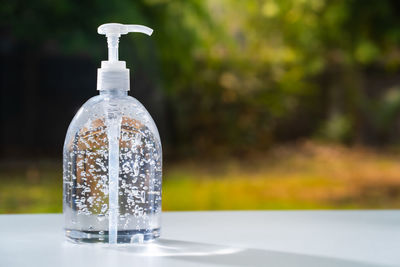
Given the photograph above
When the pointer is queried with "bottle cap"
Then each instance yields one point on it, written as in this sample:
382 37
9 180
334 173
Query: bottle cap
113 73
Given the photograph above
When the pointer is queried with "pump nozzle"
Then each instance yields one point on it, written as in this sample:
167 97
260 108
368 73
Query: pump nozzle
113 73
114 30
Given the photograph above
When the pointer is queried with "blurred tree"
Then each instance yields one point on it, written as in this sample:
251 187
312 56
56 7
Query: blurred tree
278 70
239 74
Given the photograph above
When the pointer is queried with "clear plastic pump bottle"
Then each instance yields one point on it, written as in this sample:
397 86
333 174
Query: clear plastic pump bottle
112 159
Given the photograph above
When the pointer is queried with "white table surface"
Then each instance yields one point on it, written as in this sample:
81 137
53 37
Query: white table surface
246 238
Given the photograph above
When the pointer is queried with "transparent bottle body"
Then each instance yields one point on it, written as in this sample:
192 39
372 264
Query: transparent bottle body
112 127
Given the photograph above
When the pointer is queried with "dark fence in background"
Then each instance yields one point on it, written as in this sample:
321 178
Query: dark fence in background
41 92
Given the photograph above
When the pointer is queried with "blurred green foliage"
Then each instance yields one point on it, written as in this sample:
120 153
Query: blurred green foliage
239 76
304 176
245 73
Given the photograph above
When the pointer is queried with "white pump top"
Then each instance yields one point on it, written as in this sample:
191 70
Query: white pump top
113 73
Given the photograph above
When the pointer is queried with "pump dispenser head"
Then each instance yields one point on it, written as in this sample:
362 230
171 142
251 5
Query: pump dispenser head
113 73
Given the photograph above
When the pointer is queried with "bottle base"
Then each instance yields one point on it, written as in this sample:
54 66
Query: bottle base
124 237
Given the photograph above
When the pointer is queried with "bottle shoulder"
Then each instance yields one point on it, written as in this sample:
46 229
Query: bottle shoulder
124 103
100 105
96 110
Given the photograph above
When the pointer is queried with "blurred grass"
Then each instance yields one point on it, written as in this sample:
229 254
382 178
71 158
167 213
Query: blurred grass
302 176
